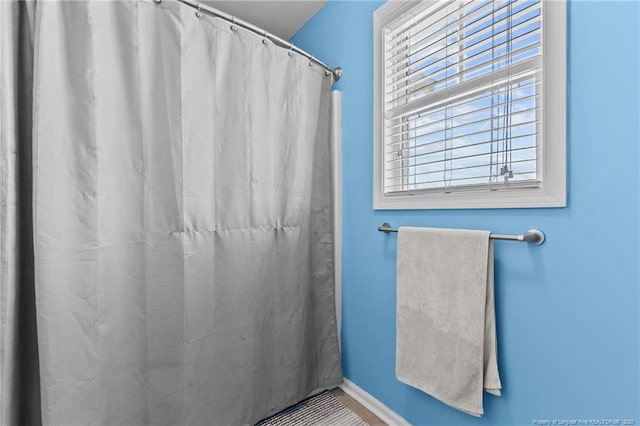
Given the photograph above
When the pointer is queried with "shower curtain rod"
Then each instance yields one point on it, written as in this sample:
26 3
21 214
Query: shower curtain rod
236 22
533 236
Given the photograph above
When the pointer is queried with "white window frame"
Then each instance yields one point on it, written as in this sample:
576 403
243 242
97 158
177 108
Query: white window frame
552 191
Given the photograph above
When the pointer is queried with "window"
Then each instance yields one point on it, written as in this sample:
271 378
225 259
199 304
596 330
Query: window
469 104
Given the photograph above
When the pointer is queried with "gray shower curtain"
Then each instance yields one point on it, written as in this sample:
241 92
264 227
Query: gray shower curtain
19 377
182 219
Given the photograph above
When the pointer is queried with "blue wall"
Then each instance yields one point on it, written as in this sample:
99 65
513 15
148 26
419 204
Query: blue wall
568 323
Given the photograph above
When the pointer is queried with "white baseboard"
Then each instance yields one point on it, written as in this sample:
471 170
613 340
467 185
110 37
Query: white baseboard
385 413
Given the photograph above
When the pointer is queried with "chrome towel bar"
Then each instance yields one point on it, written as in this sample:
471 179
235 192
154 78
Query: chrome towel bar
533 236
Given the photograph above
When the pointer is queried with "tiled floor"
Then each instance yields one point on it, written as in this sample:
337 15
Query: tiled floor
358 408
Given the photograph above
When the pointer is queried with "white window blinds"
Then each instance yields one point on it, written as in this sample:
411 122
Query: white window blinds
462 96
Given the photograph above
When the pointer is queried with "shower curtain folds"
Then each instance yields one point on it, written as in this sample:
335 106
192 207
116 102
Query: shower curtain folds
182 217
19 378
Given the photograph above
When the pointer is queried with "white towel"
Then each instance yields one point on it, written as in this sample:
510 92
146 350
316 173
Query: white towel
446 336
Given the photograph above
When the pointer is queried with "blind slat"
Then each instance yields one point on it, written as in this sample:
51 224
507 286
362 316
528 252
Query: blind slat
413 175
448 185
481 176
529 183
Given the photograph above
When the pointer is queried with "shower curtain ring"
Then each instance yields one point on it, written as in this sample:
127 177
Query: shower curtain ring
265 39
233 24
311 59
199 13
290 52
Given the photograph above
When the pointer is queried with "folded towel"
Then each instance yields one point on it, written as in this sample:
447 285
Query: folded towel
446 336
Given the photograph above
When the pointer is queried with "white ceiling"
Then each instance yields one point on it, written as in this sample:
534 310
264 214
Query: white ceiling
282 18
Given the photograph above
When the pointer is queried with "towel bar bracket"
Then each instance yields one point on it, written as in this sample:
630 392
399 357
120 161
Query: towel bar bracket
533 236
